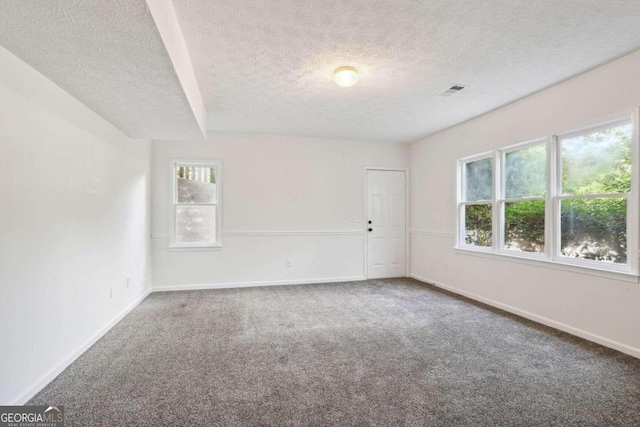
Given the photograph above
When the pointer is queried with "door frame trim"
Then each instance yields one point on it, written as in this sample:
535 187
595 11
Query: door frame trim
366 213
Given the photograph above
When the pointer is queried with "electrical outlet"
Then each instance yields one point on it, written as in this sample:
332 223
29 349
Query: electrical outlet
128 282
354 218
288 262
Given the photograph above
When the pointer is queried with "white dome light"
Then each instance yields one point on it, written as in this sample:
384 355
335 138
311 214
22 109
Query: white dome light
346 76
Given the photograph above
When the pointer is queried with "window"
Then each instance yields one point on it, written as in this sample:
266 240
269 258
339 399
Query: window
594 190
524 204
567 199
195 211
477 201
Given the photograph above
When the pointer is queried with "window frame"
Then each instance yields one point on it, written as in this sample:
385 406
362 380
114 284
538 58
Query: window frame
502 199
461 202
632 209
173 204
552 251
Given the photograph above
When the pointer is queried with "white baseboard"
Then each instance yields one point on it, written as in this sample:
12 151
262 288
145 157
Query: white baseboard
53 373
256 284
631 351
47 378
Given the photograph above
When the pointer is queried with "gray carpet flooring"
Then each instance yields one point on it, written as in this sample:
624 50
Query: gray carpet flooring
378 352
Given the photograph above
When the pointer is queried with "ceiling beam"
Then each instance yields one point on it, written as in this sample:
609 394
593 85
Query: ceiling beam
167 23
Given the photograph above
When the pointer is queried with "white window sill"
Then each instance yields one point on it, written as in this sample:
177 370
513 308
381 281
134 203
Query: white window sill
557 265
194 248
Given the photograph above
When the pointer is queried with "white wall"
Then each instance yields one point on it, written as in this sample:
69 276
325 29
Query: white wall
74 206
284 197
604 310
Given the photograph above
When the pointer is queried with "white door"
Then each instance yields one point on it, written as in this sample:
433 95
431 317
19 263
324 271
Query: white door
386 231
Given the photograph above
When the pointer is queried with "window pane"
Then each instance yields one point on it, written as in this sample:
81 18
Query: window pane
597 163
477 220
196 224
478 180
595 229
196 184
524 226
526 172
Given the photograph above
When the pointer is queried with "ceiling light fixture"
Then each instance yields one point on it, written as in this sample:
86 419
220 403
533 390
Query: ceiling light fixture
346 76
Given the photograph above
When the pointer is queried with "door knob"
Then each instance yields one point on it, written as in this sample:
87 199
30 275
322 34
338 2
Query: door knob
371 229
369 221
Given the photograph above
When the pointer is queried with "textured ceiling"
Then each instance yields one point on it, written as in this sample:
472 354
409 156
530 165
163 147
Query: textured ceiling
109 55
266 66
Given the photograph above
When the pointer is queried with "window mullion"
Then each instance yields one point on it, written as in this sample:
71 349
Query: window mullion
633 232
498 222
551 229
459 198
